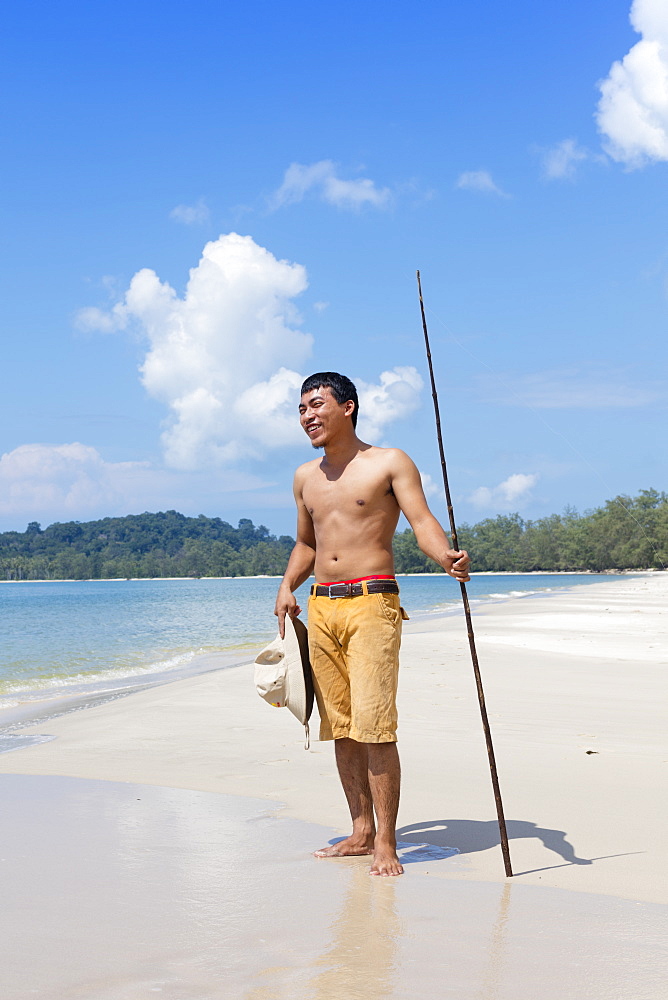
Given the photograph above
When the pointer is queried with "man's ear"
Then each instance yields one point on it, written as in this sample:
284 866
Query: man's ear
350 407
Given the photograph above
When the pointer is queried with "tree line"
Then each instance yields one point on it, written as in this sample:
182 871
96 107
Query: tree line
142 545
626 533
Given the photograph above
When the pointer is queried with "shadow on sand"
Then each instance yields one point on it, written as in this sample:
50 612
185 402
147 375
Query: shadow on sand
438 839
468 836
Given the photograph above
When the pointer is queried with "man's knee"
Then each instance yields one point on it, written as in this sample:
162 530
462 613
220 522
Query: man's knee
383 757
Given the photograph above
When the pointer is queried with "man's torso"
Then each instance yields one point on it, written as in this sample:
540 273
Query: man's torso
354 514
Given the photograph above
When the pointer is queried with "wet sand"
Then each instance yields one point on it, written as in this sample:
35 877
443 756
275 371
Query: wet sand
160 844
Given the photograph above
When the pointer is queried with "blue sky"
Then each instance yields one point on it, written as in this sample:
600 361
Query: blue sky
320 155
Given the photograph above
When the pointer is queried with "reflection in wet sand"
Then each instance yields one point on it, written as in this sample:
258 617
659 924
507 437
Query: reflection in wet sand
362 961
492 976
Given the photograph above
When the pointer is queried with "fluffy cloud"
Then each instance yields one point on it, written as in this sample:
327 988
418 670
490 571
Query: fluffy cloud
560 161
570 388
191 215
514 489
234 327
479 180
632 113
322 178
70 478
270 408
92 318
396 396
65 481
226 357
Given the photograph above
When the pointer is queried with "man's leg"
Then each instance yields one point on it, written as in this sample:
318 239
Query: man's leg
370 774
352 760
384 782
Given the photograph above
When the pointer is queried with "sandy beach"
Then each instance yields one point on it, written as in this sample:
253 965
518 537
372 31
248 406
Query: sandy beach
160 844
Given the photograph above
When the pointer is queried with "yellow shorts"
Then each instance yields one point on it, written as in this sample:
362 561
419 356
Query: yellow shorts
354 648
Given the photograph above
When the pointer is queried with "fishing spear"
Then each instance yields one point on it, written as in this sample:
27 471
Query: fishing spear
467 610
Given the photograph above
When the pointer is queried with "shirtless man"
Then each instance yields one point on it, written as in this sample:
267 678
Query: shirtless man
348 505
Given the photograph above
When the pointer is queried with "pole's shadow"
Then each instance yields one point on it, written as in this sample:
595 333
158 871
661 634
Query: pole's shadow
438 839
469 836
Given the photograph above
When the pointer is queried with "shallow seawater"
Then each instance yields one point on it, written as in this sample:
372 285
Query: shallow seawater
134 891
64 636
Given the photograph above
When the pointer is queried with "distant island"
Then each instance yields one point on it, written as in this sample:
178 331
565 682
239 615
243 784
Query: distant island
142 545
626 533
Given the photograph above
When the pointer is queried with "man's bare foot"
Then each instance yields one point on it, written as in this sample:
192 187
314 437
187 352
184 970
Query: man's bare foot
385 861
351 847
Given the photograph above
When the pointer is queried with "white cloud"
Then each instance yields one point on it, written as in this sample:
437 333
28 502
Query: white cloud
67 481
226 357
570 388
234 327
632 113
396 396
429 486
191 215
322 179
560 161
92 318
479 180
269 409
70 478
514 489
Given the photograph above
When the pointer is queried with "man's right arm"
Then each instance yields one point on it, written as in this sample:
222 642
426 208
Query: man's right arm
301 561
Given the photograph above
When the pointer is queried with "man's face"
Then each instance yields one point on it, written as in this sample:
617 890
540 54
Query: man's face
321 416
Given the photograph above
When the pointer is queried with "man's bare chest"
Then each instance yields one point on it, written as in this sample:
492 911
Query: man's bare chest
348 495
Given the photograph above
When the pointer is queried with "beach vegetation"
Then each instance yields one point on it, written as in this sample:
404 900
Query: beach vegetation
625 533
145 545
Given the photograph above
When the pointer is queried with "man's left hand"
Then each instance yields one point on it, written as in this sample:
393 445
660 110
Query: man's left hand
457 565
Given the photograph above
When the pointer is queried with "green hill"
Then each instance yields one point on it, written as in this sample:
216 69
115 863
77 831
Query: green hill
626 533
142 545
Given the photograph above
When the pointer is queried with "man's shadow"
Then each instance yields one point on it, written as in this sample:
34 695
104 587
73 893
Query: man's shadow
468 836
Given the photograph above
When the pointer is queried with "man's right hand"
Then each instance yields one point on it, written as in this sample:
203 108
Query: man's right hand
457 564
286 604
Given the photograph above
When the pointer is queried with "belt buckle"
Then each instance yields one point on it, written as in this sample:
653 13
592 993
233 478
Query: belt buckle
345 587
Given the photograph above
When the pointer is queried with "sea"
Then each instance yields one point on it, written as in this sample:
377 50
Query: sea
67 645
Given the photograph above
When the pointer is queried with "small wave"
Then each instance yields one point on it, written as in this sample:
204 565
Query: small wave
435 609
452 607
9 742
511 593
519 593
55 681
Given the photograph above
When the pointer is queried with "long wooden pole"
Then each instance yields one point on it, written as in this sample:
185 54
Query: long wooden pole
467 610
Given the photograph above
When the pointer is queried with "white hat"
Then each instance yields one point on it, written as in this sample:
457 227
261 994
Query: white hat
283 673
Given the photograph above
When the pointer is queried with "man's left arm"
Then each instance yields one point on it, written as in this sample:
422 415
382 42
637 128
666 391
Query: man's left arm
430 536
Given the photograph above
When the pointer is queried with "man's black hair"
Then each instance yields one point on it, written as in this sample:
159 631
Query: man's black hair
342 388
